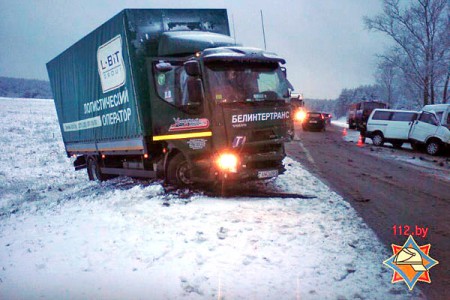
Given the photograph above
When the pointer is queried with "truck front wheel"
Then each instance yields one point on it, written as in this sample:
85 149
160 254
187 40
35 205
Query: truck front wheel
179 171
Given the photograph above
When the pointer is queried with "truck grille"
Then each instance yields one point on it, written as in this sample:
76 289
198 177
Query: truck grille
269 164
262 135
250 149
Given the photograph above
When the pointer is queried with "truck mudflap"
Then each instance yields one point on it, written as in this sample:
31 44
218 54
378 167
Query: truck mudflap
80 163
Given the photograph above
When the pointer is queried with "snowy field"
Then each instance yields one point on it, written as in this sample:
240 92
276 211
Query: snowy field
64 237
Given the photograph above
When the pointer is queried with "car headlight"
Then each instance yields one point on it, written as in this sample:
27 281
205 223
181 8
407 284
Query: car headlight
227 162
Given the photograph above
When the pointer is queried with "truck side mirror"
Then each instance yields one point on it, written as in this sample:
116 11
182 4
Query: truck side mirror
287 94
192 68
286 84
195 94
163 66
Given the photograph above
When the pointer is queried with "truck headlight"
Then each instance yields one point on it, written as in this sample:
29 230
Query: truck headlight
227 162
300 115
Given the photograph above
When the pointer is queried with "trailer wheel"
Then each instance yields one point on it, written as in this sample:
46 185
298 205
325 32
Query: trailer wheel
178 171
93 169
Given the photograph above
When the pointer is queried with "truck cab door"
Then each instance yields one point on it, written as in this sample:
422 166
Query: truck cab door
425 126
177 99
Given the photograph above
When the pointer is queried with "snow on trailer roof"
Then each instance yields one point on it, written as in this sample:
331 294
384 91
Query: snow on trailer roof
181 42
146 26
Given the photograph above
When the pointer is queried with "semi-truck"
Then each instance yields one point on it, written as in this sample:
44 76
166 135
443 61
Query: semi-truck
167 93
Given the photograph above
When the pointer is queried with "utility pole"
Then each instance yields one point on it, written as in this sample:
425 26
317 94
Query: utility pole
234 29
264 33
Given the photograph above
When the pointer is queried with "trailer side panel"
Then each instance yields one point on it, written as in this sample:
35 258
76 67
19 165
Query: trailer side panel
93 91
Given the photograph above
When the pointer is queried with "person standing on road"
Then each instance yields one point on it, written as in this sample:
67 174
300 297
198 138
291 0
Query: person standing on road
362 132
363 127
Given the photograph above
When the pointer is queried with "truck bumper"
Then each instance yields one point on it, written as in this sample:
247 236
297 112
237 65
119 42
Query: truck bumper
252 166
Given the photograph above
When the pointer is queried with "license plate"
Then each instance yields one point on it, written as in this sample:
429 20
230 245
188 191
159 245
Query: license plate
267 174
314 122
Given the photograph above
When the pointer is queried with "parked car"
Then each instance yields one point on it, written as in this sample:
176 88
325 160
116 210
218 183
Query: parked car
314 121
432 129
390 125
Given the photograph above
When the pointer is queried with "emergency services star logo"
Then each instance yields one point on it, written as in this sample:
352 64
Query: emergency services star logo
411 263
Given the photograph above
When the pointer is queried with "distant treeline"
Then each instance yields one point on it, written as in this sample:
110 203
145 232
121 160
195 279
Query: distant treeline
339 107
24 88
321 105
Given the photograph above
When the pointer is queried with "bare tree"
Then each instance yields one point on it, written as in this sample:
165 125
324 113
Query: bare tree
420 32
385 76
447 80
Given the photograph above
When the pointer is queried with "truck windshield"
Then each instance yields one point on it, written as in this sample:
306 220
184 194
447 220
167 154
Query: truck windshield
246 82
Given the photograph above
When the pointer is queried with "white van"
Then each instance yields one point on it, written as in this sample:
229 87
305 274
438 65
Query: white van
390 125
432 129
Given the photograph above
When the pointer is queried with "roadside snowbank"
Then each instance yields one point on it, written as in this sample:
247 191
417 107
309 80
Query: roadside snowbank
341 122
62 236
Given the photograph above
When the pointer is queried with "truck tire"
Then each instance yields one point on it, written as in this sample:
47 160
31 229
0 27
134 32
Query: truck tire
433 147
93 169
178 171
378 139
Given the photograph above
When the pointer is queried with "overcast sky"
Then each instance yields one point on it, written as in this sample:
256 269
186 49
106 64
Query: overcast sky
323 41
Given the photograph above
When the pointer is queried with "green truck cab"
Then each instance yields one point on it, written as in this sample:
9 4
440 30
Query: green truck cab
167 93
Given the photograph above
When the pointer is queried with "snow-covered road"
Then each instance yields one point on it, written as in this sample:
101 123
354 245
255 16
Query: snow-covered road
62 236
